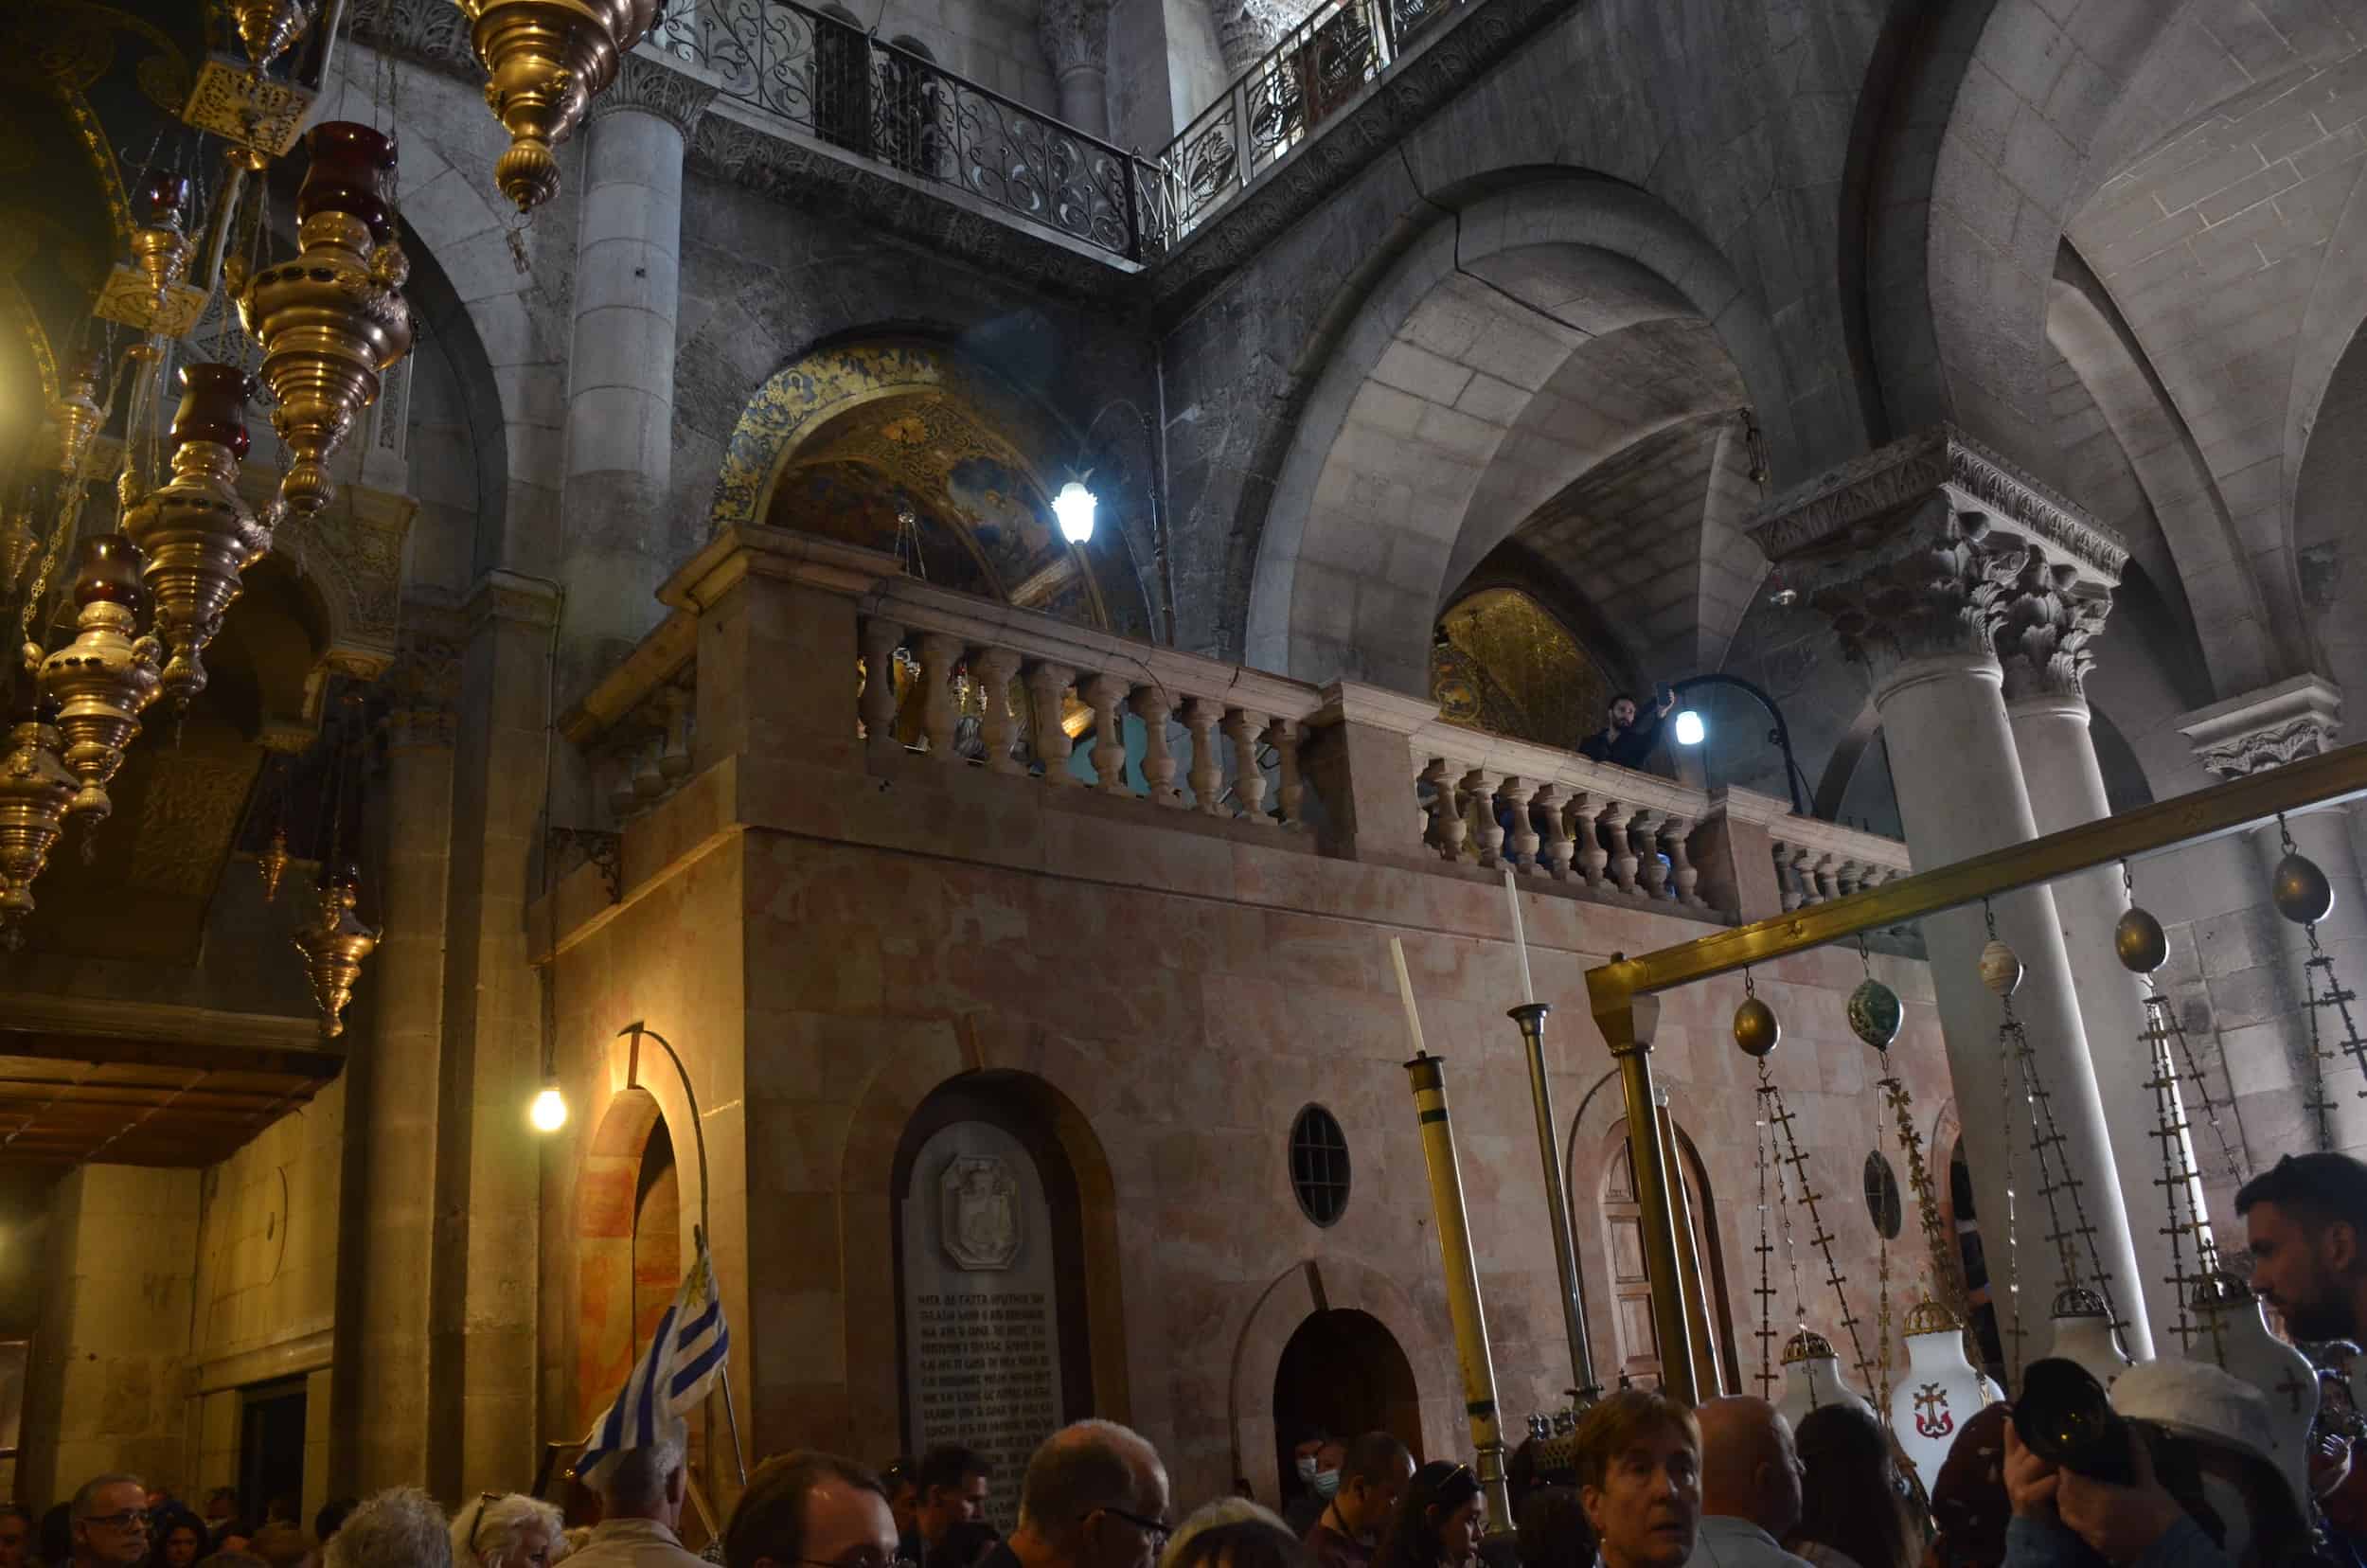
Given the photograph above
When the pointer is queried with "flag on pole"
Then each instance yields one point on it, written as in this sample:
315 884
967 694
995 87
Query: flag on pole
684 1354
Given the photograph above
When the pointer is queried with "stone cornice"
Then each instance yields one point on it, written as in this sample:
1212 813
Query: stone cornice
1837 507
2265 729
506 596
655 84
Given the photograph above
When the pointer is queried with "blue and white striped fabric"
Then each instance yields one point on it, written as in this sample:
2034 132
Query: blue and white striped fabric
671 1377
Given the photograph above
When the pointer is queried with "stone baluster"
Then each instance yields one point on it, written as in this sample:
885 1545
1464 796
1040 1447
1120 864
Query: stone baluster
649 779
1047 685
616 765
1787 892
1623 857
1803 860
1242 728
1516 794
880 639
1684 875
1152 705
1827 885
1586 813
1479 806
1653 872
1201 715
1447 830
674 759
940 656
994 671
1558 846
1850 877
1106 695
1283 736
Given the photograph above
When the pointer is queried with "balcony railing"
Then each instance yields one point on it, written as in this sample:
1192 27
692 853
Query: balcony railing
884 102
1319 67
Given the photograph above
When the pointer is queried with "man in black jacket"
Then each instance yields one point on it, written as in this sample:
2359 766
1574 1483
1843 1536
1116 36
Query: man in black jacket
1628 741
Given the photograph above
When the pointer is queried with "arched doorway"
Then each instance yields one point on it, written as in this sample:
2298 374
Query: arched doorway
1343 1372
1702 1256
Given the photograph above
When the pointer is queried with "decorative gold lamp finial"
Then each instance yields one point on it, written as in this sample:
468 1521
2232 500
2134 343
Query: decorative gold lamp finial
267 27
272 863
544 62
197 533
105 678
334 943
332 321
161 245
35 790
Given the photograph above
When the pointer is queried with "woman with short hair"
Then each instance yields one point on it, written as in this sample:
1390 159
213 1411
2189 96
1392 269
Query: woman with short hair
510 1530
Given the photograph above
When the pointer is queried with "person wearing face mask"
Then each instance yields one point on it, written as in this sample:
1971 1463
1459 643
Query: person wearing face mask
1321 1473
1639 1464
1438 1522
1372 1477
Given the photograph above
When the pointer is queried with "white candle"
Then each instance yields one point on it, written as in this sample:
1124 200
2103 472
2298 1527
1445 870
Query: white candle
1405 990
1520 936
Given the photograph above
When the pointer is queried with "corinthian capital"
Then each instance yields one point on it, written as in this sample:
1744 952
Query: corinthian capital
1075 34
1934 546
2265 729
658 84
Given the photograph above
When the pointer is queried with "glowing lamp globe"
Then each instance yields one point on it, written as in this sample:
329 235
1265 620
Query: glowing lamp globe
1690 730
549 1112
1074 508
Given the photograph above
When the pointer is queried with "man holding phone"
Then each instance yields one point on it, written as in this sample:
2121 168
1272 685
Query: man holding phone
1628 738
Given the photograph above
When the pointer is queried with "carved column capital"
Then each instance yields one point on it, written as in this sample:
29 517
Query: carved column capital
2265 729
1934 546
1075 34
656 84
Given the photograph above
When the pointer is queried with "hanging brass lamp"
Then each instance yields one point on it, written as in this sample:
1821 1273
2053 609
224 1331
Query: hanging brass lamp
105 679
335 942
195 531
35 789
272 863
161 245
267 27
75 415
333 320
544 62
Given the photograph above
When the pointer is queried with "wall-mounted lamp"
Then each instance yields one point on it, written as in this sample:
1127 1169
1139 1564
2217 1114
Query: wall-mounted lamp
1074 507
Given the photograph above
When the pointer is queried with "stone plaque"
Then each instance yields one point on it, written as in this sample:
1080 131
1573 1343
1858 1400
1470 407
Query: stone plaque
982 1330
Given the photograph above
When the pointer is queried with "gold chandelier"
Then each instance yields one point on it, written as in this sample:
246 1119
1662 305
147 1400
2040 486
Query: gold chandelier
35 789
334 943
195 532
545 60
105 679
333 320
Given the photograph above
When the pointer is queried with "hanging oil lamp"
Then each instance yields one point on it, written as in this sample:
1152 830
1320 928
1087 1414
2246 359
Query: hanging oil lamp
105 679
195 532
161 245
334 943
35 789
333 320
75 415
267 27
545 60
272 863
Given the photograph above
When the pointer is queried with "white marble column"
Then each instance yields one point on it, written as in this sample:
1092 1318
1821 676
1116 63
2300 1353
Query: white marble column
1906 551
620 395
1076 38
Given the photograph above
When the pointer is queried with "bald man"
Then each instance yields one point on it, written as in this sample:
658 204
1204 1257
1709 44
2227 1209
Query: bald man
1095 1496
1750 1486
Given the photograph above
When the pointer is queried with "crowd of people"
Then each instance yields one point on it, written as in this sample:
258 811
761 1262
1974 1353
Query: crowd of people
2181 1472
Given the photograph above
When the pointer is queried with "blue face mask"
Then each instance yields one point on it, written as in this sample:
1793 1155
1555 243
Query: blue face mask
1327 1484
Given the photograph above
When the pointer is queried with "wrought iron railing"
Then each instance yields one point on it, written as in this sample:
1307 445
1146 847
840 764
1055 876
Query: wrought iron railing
897 107
1318 68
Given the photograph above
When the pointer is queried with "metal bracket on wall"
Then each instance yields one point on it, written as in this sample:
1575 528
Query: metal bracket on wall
602 848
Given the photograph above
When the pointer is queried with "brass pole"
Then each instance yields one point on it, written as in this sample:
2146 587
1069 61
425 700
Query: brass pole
1705 1368
1463 1289
1630 1034
1531 1017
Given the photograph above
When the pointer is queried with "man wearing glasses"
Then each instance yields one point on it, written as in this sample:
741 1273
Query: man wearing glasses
1095 1496
109 1520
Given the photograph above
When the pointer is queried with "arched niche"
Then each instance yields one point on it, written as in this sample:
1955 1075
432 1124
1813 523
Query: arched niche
1635 1332
625 1244
908 447
994 1321
1343 1371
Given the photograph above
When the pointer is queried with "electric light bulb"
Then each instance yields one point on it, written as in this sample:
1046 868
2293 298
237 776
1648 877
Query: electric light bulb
1074 508
549 1112
1690 730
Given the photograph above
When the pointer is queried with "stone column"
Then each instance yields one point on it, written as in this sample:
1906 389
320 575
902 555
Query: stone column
2256 981
482 1327
620 395
1912 552
1076 38
387 1246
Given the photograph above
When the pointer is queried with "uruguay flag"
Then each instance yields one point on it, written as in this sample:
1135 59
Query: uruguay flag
673 1375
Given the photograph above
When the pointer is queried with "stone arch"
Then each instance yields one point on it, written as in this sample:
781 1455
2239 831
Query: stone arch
936 1057
1275 1312
1978 152
1455 403
606 1202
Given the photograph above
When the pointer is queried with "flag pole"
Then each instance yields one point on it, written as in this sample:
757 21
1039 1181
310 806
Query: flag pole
723 1371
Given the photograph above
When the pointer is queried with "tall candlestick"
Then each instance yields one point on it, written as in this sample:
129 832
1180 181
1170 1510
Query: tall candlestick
1405 990
1520 936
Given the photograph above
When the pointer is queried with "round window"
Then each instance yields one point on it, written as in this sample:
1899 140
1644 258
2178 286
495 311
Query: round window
1319 1164
1882 1196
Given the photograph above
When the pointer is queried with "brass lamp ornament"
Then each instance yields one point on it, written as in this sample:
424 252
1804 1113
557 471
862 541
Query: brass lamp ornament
161 245
195 531
332 321
75 415
2140 941
545 60
105 678
335 942
35 789
267 27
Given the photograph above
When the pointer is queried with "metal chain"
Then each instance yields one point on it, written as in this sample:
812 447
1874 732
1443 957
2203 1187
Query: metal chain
2013 1235
1766 1293
1882 1276
1821 1238
2178 1180
1782 1198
